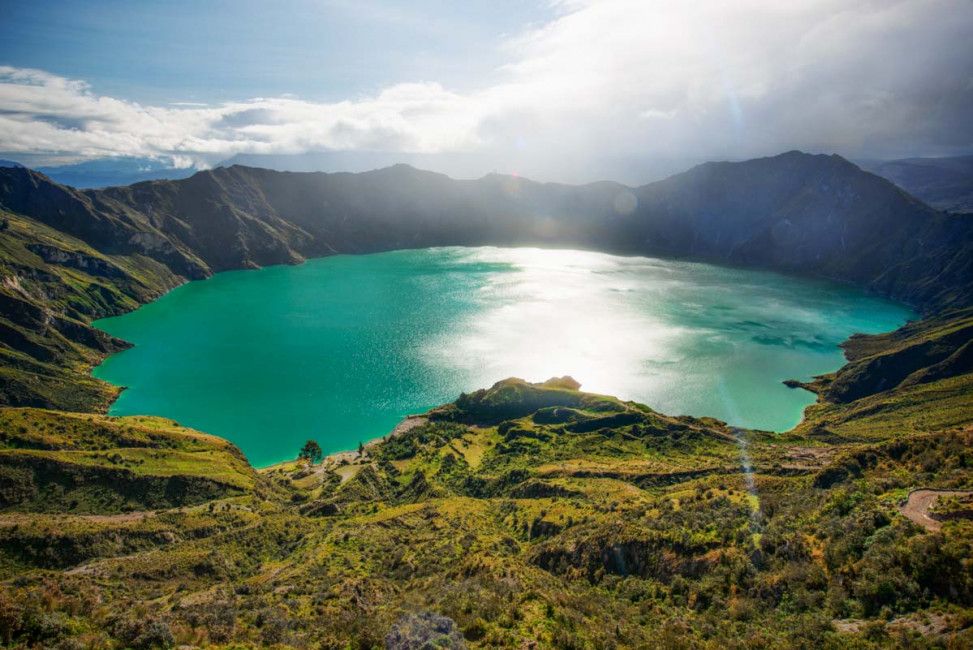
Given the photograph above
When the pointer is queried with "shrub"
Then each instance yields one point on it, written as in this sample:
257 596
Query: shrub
424 631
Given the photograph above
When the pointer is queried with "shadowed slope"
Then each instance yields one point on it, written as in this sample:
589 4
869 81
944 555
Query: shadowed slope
818 215
102 252
944 183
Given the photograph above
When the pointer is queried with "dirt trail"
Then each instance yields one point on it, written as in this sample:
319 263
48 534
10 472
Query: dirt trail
121 518
917 506
17 518
99 566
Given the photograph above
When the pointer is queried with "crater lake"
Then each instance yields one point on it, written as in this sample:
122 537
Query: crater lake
341 348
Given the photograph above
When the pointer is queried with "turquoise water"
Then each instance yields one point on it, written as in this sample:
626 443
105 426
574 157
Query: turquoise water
339 349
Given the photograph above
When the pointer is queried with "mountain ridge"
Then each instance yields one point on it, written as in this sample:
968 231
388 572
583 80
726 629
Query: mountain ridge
944 183
521 515
760 212
816 215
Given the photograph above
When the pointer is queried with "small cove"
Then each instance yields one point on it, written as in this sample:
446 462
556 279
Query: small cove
341 348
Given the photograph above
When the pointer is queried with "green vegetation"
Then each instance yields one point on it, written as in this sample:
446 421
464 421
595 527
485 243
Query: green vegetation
952 506
52 286
522 513
518 516
311 452
91 464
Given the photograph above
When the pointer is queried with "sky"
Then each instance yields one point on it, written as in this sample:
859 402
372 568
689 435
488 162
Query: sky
564 90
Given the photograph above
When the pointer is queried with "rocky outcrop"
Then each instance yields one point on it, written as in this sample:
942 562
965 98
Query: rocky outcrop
76 260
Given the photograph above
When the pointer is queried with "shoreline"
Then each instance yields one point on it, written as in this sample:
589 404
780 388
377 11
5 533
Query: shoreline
915 316
338 458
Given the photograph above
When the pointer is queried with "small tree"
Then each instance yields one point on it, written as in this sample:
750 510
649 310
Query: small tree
361 448
311 452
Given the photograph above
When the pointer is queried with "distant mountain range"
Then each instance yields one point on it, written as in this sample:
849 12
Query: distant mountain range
943 183
108 172
630 170
126 170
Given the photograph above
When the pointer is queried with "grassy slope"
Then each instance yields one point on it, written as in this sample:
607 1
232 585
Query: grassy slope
522 513
91 464
914 380
53 285
526 513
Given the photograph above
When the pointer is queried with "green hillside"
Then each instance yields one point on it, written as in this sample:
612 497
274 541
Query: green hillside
53 285
520 515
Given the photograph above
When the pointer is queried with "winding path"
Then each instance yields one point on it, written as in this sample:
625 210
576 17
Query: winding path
16 519
918 503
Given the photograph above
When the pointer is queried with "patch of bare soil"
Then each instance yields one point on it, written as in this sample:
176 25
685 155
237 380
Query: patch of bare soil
918 503
929 624
808 458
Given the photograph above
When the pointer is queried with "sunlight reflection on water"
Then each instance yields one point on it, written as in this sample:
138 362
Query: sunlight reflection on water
666 333
564 312
341 348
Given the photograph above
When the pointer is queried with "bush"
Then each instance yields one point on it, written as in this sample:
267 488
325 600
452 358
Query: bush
147 634
424 631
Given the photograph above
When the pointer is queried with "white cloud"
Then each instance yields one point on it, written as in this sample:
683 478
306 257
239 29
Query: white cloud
746 77
707 79
44 113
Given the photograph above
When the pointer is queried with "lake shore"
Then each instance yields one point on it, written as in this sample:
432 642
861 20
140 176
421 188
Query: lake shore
341 458
343 349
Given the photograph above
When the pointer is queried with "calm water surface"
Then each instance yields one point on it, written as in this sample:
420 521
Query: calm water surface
339 349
